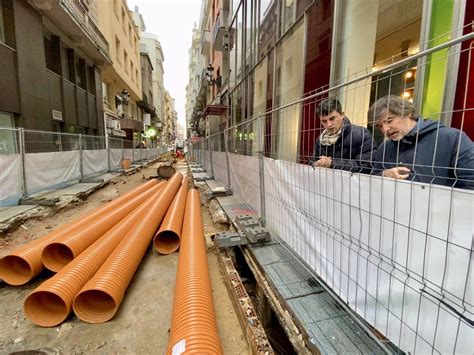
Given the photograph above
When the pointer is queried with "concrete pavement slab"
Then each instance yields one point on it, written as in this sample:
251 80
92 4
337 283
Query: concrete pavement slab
7 213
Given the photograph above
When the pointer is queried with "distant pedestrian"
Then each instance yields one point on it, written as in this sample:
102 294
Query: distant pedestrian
418 149
341 145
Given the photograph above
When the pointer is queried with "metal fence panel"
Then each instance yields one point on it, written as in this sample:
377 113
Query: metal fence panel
11 175
51 170
94 162
244 178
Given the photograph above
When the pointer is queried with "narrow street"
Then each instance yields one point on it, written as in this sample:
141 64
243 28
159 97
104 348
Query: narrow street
143 320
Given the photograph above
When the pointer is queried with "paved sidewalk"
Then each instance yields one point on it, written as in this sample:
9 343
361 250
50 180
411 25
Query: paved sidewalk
14 215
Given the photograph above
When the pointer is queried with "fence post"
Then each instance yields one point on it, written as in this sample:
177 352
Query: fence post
23 168
211 144
140 147
107 144
261 173
226 144
81 162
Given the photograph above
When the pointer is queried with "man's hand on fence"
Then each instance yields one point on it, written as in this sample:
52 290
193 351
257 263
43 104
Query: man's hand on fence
323 162
399 172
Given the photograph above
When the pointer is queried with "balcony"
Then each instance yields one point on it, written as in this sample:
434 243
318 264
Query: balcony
71 17
219 32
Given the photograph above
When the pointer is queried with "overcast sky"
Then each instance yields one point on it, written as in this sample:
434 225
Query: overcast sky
172 21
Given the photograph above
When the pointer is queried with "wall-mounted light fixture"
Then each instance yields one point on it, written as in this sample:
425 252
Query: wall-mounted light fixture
209 74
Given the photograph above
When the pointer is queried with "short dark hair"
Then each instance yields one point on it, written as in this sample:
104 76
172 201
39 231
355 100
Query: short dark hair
325 107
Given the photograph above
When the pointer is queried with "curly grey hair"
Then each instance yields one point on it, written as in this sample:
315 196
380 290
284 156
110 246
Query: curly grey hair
394 104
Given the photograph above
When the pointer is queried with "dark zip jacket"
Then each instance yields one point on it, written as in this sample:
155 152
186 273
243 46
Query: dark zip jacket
434 153
352 151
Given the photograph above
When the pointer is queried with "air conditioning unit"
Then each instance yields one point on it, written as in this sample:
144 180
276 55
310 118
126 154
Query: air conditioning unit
116 124
57 115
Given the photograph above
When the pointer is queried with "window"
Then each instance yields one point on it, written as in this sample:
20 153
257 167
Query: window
81 80
125 60
116 8
117 50
52 51
2 30
123 20
91 82
7 137
71 70
131 71
7 34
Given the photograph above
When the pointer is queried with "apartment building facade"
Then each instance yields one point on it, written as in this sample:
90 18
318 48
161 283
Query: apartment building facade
171 118
121 82
282 50
52 55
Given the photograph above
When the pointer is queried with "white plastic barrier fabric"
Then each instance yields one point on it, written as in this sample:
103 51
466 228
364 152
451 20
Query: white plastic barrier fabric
128 154
115 156
245 179
94 162
10 178
398 252
220 167
47 170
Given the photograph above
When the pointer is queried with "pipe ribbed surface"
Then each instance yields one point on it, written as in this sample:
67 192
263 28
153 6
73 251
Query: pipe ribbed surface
23 264
100 298
193 326
63 250
167 239
50 303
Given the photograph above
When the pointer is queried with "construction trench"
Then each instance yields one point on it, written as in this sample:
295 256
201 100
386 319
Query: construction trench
164 261
116 264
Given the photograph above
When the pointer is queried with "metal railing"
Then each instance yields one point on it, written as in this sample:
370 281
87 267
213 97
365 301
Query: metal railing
34 161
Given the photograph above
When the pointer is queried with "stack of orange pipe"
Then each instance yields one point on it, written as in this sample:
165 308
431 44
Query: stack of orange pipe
100 298
64 249
51 303
193 326
24 263
168 237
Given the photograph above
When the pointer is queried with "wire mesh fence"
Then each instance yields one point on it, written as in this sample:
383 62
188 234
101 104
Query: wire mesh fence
371 185
34 161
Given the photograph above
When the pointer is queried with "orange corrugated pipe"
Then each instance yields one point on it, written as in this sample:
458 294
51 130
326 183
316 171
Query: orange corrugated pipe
50 303
23 264
167 238
193 326
64 249
100 298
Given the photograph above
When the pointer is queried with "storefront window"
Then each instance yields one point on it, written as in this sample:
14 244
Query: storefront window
7 135
288 88
319 30
370 36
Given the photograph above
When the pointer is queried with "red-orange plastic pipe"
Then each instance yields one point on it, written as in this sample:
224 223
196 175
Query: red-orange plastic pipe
100 298
193 326
51 303
167 239
23 264
63 250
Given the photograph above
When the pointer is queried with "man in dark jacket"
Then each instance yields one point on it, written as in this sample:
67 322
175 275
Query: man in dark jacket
420 150
341 145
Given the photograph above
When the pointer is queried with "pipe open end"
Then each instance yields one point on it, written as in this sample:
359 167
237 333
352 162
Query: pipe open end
94 306
45 309
15 270
166 242
56 256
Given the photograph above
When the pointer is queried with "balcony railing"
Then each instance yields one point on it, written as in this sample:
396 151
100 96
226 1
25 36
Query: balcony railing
80 14
219 30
